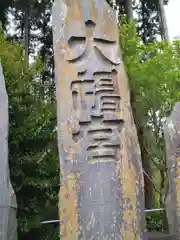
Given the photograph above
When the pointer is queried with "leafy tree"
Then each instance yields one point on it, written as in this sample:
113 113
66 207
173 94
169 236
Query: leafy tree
4 5
150 15
32 136
151 23
46 51
35 32
32 144
154 73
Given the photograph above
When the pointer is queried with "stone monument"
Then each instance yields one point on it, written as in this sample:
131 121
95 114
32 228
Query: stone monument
101 194
8 205
172 140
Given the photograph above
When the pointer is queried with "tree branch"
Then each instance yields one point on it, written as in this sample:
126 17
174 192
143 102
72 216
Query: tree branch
157 190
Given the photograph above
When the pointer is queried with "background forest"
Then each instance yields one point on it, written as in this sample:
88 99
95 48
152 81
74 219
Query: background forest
26 53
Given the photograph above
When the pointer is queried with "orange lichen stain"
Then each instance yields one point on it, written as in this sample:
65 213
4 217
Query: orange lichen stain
66 71
74 4
70 154
178 185
129 230
68 209
93 9
74 15
107 26
119 115
69 127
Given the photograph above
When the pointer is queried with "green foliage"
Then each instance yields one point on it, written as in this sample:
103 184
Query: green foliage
154 73
153 70
4 5
32 143
154 80
155 222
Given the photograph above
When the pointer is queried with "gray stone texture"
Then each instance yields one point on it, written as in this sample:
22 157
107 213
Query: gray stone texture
101 194
8 205
172 140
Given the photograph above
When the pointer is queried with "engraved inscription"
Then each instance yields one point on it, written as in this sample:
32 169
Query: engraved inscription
95 96
98 145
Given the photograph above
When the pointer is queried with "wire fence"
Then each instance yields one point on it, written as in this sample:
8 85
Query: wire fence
146 211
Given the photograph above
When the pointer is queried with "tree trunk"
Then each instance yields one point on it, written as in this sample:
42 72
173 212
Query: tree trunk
26 36
143 135
163 22
129 10
147 166
172 143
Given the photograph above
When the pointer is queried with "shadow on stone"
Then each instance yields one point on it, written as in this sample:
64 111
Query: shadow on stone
159 236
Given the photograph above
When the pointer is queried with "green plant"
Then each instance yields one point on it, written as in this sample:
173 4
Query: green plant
155 222
33 158
154 79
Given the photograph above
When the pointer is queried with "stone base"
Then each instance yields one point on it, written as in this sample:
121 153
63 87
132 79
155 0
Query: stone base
159 236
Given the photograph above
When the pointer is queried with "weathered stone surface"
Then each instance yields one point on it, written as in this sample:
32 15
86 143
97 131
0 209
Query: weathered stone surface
8 206
101 194
159 236
172 139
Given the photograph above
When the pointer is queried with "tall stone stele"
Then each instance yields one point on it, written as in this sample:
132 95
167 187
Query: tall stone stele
172 140
8 205
101 194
